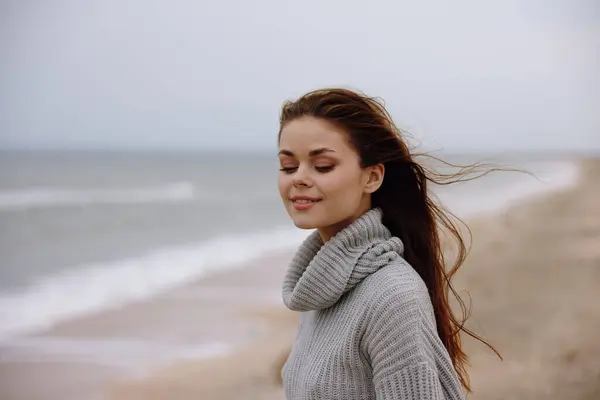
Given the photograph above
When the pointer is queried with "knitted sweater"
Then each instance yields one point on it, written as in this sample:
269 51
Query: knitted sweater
367 330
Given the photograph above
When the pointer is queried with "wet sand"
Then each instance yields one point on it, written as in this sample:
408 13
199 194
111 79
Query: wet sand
533 274
85 357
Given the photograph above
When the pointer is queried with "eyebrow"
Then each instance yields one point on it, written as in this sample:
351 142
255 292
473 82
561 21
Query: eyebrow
311 153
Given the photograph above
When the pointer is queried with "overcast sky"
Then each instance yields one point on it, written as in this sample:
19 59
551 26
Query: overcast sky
463 75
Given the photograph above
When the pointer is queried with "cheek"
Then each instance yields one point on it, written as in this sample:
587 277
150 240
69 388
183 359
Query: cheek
284 183
345 186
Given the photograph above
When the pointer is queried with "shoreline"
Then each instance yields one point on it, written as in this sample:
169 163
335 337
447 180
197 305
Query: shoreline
195 260
241 307
135 341
494 316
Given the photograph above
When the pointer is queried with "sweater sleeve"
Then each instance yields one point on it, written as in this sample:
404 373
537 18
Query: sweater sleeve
408 359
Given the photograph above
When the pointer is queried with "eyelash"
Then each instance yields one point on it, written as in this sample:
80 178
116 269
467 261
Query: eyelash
319 169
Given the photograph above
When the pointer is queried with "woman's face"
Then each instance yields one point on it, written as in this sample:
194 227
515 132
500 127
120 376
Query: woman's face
321 182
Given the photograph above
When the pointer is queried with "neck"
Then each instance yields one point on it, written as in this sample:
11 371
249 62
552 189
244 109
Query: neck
330 231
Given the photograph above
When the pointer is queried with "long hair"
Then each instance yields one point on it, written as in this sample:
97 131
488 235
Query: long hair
410 212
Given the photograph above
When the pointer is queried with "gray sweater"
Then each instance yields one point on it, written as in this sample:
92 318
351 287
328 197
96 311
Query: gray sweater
367 330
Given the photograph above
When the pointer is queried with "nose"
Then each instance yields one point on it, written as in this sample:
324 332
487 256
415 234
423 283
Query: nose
299 183
300 179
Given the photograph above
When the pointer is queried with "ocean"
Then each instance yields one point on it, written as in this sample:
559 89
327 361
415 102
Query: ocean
86 231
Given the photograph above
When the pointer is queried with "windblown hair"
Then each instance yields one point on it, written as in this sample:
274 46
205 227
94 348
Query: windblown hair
410 212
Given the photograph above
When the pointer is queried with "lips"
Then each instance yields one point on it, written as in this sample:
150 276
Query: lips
304 202
304 199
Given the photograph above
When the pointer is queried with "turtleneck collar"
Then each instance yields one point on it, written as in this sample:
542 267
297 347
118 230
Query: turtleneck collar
320 274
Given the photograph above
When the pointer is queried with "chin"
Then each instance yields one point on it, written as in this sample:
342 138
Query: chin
304 220
304 223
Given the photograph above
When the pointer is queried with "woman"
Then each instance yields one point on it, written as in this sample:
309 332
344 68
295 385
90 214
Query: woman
370 280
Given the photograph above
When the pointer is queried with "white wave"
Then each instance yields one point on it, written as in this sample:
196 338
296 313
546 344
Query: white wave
88 288
54 197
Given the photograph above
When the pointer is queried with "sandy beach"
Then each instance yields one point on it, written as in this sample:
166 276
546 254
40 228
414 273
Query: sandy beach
151 154
533 275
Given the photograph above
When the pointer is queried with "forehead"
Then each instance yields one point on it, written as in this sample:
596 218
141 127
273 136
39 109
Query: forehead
306 133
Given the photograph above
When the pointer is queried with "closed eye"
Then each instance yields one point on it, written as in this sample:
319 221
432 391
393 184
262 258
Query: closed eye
288 170
324 169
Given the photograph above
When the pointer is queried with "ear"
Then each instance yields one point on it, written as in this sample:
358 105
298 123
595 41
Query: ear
375 176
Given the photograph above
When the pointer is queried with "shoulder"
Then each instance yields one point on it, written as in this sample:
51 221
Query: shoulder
398 313
395 282
397 290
